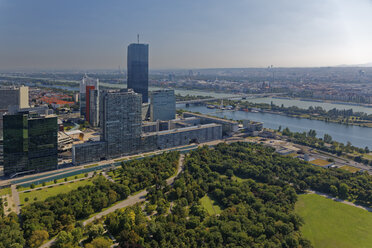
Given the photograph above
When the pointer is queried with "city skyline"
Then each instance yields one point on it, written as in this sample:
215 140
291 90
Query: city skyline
208 34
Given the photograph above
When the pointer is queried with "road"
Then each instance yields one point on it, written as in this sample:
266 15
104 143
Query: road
16 200
131 200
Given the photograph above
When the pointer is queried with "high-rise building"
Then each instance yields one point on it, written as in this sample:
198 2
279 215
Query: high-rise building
87 84
138 69
30 143
93 108
121 121
13 96
163 105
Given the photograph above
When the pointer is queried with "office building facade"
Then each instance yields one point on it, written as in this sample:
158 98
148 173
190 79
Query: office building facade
121 121
138 69
163 105
30 143
11 96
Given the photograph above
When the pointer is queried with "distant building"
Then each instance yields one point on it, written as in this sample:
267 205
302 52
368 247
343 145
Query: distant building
30 143
13 96
86 85
138 69
252 127
163 105
93 108
228 126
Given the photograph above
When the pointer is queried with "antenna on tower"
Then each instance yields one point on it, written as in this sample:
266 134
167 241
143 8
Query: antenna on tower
138 38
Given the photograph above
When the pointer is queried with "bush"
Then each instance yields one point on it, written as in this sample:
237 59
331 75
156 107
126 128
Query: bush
43 184
32 186
26 199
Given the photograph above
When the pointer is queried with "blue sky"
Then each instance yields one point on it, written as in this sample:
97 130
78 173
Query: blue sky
93 34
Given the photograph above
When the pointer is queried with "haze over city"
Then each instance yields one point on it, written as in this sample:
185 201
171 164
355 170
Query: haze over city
45 34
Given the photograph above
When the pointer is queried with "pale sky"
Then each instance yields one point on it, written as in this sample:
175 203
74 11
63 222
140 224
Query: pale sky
94 34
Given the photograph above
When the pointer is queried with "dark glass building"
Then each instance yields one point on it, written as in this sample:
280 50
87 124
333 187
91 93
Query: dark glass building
30 143
138 69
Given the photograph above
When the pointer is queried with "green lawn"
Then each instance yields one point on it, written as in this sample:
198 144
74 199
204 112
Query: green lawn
5 191
210 205
350 168
91 165
331 224
44 193
52 182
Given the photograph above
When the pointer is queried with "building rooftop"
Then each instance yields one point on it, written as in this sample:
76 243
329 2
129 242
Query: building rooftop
183 129
212 117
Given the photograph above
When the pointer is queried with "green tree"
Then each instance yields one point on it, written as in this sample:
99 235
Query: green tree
327 138
343 191
99 242
333 190
37 238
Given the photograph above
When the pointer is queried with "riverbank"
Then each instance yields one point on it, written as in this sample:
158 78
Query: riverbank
344 117
358 136
322 118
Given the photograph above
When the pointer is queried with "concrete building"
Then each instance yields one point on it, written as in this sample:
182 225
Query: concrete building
88 152
252 127
86 84
145 111
121 121
228 126
163 105
138 69
13 96
187 135
93 108
30 143
121 124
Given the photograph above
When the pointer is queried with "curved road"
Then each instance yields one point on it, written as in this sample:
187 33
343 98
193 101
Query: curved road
131 200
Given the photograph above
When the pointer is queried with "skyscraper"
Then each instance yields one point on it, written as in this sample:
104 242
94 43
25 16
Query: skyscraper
121 121
30 142
86 85
138 69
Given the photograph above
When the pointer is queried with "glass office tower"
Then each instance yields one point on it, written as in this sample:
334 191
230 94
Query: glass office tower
138 69
30 143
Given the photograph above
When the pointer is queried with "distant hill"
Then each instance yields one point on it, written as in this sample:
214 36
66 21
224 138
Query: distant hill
357 65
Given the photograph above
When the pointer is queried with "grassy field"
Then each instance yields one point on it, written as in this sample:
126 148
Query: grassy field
91 165
44 193
350 168
5 191
331 224
320 162
52 182
210 205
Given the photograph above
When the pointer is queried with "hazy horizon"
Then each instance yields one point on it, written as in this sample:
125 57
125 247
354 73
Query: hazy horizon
93 35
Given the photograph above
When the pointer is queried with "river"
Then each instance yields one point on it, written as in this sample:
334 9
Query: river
358 136
306 104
